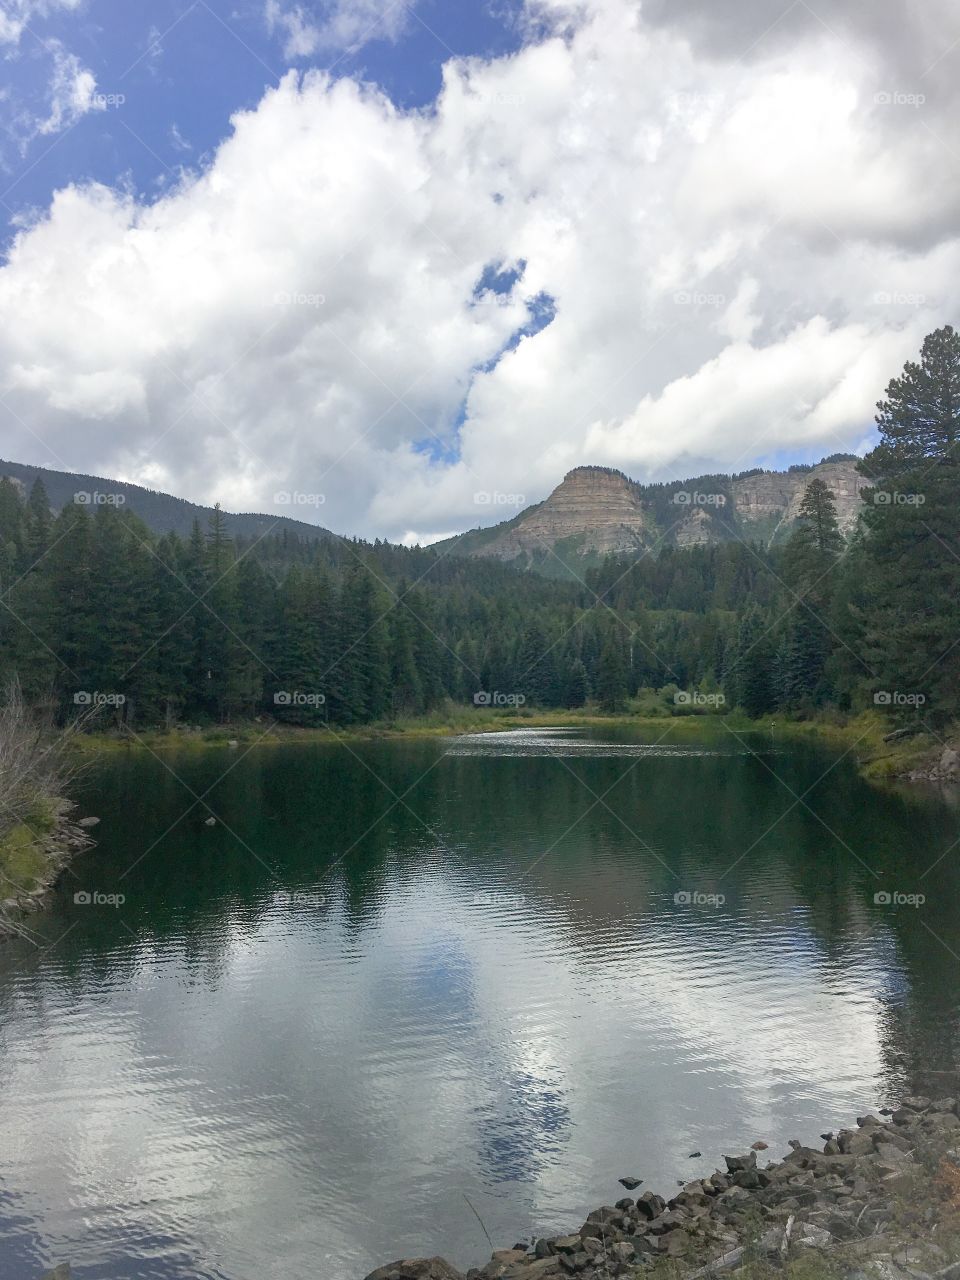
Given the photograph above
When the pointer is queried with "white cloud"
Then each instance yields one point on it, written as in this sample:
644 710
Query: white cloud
178 140
71 93
69 87
17 15
739 260
341 24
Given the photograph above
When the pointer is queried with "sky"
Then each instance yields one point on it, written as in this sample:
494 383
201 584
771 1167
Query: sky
395 266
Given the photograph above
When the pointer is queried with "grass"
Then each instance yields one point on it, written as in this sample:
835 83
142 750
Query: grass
36 770
436 724
24 859
862 735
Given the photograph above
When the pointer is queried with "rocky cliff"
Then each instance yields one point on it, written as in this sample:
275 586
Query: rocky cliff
599 509
776 495
595 511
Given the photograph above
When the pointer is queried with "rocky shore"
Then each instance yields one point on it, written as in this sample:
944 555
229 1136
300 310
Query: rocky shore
941 766
879 1201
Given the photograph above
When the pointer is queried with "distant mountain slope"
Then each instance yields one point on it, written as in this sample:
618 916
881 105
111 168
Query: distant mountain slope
159 511
595 511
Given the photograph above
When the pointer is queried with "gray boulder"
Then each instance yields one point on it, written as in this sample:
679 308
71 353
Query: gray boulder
738 1164
416 1269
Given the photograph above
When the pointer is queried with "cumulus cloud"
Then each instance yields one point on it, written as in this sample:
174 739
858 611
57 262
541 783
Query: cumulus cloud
700 264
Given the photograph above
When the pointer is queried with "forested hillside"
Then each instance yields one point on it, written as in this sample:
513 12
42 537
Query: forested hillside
162 512
209 628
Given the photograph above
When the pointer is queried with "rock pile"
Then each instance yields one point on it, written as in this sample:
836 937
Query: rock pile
945 768
869 1197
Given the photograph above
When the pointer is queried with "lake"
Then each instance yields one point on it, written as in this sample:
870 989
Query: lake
400 984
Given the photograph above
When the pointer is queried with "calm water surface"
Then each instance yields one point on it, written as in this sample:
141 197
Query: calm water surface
401 975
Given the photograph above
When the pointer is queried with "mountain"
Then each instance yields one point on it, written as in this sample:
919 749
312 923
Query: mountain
593 512
596 511
159 511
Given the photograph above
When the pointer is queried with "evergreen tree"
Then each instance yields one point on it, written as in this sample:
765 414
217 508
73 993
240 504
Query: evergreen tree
12 531
305 647
815 545
429 651
801 661
406 689
751 679
810 565
39 525
919 420
577 688
535 667
611 679
911 613
174 629
360 676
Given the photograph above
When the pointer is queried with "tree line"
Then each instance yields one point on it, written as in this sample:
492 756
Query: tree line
208 629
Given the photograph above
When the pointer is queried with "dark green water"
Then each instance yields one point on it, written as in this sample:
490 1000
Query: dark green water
404 974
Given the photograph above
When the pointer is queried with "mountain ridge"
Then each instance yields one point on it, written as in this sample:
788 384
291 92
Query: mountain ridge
161 512
593 512
597 511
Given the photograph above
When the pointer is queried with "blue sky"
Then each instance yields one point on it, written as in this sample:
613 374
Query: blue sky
389 262
182 67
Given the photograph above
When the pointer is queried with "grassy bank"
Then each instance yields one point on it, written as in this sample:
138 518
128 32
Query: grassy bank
436 725
24 852
37 768
861 735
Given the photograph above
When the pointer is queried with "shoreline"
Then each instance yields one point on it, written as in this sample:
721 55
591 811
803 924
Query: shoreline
798 1218
32 859
881 755
880 1201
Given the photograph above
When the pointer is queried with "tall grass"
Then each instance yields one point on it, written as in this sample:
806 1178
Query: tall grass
37 765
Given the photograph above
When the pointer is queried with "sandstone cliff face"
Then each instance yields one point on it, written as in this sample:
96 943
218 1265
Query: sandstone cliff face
597 505
696 530
603 511
778 494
